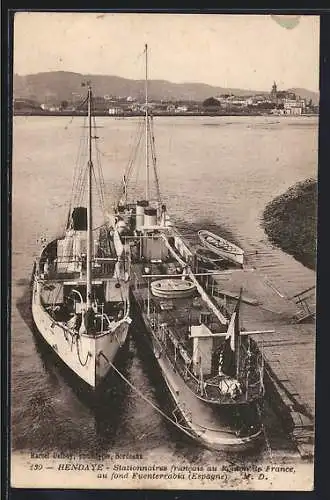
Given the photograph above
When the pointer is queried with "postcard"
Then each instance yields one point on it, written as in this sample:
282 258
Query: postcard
164 181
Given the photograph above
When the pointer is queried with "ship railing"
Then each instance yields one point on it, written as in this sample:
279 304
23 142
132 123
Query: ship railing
181 362
212 287
248 378
228 390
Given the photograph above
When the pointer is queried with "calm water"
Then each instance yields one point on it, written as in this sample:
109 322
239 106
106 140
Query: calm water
213 172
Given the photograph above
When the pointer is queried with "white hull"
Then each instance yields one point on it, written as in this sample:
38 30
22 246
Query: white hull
90 358
222 247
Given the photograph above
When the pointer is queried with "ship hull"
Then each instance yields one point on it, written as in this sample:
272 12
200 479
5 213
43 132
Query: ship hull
208 425
90 358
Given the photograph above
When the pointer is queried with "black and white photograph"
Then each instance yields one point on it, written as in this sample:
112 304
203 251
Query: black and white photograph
164 220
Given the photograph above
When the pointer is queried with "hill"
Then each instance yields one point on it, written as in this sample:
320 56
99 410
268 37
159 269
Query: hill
62 85
306 94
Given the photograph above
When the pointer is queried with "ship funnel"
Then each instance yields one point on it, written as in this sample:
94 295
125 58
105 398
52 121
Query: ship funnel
140 209
150 217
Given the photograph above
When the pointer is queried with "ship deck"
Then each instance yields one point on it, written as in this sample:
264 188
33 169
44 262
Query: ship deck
170 321
179 312
288 352
218 428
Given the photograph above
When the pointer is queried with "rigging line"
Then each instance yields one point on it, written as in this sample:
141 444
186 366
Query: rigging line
138 130
138 160
133 142
132 160
80 166
73 116
101 186
149 402
98 191
99 227
98 181
97 187
135 154
70 122
98 160
82 162
101 178
138 151
80 184
154 158
82 102
106 155
82 187
83 195
82 173
77 164
138 57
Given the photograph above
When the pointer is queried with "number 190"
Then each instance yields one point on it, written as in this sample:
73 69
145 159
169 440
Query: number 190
36 466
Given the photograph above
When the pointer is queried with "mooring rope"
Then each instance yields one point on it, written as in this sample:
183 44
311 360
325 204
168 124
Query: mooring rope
269 449
78 352
148 401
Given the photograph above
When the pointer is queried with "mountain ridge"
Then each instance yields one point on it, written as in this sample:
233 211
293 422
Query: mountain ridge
64 85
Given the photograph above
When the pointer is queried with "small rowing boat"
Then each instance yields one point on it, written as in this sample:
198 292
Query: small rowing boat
222 247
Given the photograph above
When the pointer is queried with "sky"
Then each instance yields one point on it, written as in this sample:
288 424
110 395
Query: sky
242 51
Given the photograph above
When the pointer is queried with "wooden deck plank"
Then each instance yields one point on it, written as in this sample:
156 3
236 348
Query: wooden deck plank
289 353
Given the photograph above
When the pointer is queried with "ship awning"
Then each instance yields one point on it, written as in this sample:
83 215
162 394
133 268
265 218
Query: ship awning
81 283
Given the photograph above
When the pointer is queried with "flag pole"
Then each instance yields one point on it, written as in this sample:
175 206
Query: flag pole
237 335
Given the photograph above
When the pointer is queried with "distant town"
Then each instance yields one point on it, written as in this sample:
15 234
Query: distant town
275 102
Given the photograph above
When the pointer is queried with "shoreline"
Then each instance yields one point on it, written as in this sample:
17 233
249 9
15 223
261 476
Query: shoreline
290 222
131 115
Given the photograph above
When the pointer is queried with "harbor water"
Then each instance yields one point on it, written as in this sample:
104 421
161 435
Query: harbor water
216 173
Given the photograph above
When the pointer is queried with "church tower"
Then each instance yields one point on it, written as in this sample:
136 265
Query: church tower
274 91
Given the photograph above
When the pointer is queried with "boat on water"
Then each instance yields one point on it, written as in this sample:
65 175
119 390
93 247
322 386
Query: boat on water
222 247
80 296
212 369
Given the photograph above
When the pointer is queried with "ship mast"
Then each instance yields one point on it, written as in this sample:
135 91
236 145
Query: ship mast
238 335
146 125
89 205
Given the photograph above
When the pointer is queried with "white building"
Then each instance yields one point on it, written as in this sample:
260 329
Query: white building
293 106
181 109
115 111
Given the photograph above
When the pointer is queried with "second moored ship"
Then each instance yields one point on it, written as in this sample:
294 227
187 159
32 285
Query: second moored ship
212 369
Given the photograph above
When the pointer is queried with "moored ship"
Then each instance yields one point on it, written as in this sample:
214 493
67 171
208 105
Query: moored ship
212 369
80 299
